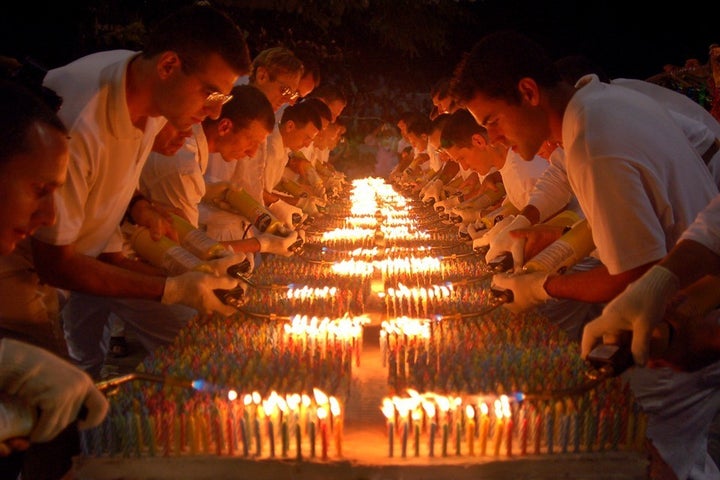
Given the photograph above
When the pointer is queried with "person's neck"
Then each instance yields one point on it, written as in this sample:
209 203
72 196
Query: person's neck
558 98
138 93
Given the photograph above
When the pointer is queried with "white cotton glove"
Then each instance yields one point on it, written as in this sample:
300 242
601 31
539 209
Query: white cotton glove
528 289
638 309
476 230
51 385
276 244
488 235
433 193
309 205
447 204
195 290
503 242
286 213
466 213
221 265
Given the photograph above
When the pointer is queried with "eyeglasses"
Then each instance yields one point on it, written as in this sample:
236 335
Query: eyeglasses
288 92
217 99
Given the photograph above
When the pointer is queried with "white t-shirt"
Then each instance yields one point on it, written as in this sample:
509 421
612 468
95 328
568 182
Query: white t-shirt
552 192
687 113
706 227
635 175
275 160
107 152
519 176
178 180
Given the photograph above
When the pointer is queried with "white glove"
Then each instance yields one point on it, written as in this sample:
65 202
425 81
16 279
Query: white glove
467 214
309 205
51 385
276 244
434 192
638 309
528 289
195 289
489 234
447 204
284 212
503 242
476 230
220 265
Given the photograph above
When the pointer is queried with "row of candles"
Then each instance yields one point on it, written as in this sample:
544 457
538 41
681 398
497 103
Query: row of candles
277 426
438 425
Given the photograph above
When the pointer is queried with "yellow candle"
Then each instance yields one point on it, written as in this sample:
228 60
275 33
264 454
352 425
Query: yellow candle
470 413
484 428
499 427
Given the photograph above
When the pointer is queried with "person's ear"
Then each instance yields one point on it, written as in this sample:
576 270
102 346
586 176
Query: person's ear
262 75
168 63
224 126
478 140
529 91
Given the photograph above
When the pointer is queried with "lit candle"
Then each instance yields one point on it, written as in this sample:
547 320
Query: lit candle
417 438
298 441
258 439
484 427
470 414
499 426
430 411
271 436
322 422
389 411
337 424
244 437
312 438
507 415
445 439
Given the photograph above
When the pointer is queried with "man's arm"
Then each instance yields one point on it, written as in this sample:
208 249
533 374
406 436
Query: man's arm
63 267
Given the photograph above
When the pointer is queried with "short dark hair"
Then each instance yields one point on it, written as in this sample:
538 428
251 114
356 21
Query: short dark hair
439 122
497 63
310 64
277 61
420 125
248 104
459 129
330 93
196 31
321 107
301 114
20 109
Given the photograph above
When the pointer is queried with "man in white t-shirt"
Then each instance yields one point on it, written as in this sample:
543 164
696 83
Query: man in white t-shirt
114 103
639 183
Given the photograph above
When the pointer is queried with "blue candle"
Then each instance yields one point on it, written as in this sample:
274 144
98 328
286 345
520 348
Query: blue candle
433 429
391 443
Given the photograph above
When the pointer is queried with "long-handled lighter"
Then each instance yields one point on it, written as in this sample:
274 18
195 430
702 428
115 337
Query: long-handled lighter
17 419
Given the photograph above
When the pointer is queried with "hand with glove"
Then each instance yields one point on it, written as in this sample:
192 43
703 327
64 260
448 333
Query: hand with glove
528 289
466 214
434 192
638 309
228 264
487 235
197 290
286 213
276 244
502 241
444 206
50 385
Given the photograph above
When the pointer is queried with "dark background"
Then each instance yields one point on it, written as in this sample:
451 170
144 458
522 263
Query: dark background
405 45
